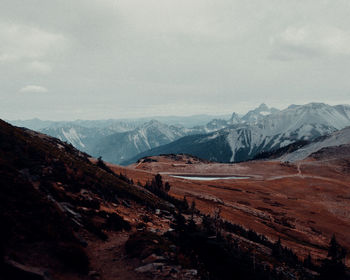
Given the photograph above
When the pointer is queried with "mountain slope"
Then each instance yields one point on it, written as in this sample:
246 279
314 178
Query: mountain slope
80 137
83 135
195 145
117 141
119 146
341 137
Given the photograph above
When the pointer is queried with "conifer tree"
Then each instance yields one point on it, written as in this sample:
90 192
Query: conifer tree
333 267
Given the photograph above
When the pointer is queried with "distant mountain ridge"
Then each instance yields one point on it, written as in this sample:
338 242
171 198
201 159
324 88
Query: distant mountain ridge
85 138
243 141
233 139
120 146
117 140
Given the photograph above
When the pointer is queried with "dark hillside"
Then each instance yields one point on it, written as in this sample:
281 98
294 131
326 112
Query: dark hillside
49 192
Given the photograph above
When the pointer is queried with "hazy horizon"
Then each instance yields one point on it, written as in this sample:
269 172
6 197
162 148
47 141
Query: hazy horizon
108 59
142 117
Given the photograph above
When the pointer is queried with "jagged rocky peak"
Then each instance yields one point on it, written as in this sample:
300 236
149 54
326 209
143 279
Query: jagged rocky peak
216 122
263 107
316 105
310 106
235 118
258 113
158 125
151 123
293 106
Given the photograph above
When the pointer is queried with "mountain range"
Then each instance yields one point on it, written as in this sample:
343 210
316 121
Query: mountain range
117 140
260 131
231 139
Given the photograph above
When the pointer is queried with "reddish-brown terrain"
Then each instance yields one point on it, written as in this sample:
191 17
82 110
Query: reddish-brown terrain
304 203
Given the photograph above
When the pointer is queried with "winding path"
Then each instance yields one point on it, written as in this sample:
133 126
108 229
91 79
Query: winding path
304 176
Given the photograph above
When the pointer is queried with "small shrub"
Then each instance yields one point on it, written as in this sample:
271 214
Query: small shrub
145 218
90 226
143 244
116 222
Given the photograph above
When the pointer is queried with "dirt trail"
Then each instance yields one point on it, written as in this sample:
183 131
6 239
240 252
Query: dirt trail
109 259
305 176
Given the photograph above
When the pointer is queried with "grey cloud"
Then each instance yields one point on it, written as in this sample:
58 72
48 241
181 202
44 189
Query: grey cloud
154 57
33 89
309 41
39 67
25 42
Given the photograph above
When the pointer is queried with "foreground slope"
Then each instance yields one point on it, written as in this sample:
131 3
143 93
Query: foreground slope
56 206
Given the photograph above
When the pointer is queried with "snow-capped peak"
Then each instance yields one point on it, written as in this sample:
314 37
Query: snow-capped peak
255 115
235 119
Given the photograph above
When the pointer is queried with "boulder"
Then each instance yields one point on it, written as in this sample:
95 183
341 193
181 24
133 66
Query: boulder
153 258
151 267
15 270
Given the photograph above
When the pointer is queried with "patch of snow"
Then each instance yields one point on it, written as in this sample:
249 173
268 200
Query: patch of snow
210 137
285 143
233 143
72 137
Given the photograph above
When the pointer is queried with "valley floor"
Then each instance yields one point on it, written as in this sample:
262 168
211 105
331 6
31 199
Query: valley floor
304 203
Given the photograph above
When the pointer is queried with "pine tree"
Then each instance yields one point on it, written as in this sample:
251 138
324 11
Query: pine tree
158 181
167 186
193 208
217 222
277 248
185 203
333 266
308 262
335 251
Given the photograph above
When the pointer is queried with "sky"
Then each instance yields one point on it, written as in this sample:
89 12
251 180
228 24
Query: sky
98 59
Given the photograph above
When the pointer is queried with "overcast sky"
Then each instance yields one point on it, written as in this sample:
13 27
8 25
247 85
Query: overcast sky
96 59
